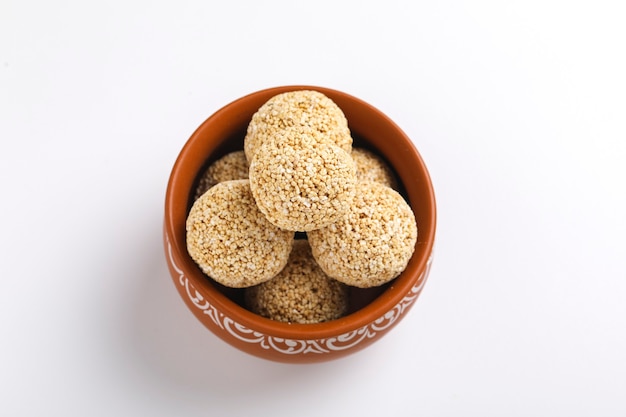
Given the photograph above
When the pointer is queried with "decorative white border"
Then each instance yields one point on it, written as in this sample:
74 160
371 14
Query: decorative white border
298 346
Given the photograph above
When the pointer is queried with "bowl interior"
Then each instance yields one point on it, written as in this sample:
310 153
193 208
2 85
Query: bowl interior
224 132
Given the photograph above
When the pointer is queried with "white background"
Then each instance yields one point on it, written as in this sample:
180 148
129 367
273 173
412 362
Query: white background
517 107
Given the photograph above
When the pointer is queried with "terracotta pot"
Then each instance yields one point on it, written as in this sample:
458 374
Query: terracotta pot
376 311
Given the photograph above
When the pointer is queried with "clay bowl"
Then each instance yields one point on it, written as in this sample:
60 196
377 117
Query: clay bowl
375 311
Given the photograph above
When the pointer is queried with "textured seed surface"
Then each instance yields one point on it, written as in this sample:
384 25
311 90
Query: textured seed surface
300 293
371 167
308 112
303 189
232 166
373 243
230 239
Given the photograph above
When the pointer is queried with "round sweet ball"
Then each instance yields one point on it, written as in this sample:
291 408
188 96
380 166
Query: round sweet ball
373 243
300 293
232 166
230 239
302 189
298 109
371 167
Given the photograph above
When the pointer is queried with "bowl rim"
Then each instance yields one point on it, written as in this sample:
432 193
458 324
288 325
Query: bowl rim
376 309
